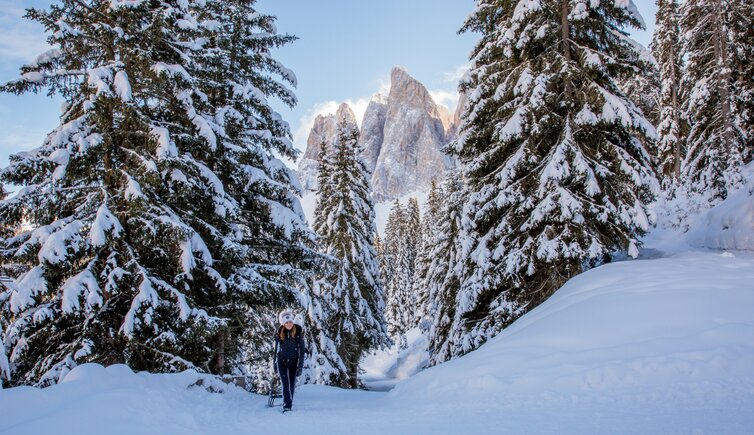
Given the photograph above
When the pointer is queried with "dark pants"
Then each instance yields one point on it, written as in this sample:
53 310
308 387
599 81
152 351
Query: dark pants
287 371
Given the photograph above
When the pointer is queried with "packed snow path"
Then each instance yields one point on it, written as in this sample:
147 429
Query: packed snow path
661 346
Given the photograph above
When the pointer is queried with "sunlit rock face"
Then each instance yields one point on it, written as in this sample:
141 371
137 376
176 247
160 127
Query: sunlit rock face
401 141
323 130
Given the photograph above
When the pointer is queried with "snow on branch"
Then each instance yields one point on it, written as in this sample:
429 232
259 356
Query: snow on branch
104 223
84 283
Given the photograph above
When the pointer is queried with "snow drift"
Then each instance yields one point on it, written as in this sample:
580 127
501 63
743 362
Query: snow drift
729 225
677 328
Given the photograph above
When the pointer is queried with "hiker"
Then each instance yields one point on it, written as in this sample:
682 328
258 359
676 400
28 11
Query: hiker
290 358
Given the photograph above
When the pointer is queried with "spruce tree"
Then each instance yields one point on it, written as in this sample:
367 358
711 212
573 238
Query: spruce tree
666 50
402 235
166 233
378 247
324 188
5 289
643 87
430 224
389 268
557 176
715 142
4 293
4 364
443 278
741 23
353 293
325 365
5 229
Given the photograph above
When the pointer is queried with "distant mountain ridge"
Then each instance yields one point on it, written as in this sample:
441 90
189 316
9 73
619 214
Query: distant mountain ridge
402 136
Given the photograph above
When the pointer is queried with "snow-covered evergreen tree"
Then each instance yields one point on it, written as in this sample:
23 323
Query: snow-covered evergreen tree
413 229
666 50
5 229
324 188
552 153
353 293
4 364
740 13
430 224
443 278
398 263
643 87
378 248
715 142
388 261
4 318
324 365
166 233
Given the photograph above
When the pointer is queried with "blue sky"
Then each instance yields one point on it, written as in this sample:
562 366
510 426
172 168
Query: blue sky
345 52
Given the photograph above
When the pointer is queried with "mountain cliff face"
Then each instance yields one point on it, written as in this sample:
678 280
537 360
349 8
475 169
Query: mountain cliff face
455 123
413 136
323 131
402 136
372 127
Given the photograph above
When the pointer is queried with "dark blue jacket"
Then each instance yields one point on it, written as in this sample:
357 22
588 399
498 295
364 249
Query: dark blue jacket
291 348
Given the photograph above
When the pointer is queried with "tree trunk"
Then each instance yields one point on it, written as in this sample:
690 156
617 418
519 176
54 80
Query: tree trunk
565 33
220 363
676 117
723 76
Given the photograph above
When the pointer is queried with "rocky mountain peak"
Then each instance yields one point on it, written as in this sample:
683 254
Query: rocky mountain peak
413 136
345 113
402 136
407 91
323 130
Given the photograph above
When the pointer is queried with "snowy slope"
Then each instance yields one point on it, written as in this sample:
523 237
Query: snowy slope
729 225
649 346
383 369
654 346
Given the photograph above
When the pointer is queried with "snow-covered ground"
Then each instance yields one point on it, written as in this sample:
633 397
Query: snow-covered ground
651 346
660 345
385 368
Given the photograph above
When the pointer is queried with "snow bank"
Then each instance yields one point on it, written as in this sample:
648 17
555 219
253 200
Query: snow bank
673 336
384 369
729 225
93 399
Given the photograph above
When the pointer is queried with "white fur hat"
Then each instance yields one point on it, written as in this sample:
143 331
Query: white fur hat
285 316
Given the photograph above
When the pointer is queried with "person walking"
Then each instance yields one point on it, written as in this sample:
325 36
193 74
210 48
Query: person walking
290 357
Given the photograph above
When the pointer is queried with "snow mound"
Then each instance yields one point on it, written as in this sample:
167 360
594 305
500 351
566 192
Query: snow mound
729 225
92 399
669 335
383 369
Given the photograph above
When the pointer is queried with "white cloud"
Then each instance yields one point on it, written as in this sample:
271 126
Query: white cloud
384 86
447 98
455 75
447 95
